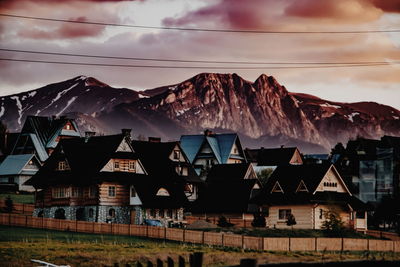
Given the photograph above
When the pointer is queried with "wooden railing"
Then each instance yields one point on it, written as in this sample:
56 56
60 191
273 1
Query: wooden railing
18 207
201 237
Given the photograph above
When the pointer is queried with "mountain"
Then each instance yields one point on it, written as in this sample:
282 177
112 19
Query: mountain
84 96
263 112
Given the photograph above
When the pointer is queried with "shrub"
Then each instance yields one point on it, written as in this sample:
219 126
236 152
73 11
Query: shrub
223 222
332 223
259 220
291 220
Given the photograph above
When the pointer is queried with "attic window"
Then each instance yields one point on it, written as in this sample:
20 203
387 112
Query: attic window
62 165
302 187
68 127
277 188
30 162
189 188
330 184
177 154
162 192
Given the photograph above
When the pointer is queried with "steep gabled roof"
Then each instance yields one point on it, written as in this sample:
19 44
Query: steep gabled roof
14 164
271 156
85 156
221 145
155 158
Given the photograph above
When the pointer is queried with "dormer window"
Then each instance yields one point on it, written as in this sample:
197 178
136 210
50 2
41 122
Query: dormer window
330 184
68 127
188 188
177 154
302 187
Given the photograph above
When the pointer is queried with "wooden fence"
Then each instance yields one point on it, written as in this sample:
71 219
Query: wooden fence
18 207
201 237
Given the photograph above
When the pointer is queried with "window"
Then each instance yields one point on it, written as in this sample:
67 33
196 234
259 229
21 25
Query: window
161 213
284 214
360 215
62 165
60 192
188 188
77 192
132 165
92 191
321 213
68 127
11 180
235 151
30 162
169 213
111 213
177 154
330 184
162 192
133 192
153 213
111 191
91 213
116 165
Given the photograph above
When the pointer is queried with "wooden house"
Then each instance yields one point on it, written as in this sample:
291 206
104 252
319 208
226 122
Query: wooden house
101 178
227 192
40 135
15 170
308 192
167 160
204 151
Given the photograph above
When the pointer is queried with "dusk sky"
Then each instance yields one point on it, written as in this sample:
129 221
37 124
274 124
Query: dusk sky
379 83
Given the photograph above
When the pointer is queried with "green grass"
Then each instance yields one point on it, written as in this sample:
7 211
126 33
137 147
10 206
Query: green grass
24 198
288 233
19 245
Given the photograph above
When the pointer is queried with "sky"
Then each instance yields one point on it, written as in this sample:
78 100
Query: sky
378 83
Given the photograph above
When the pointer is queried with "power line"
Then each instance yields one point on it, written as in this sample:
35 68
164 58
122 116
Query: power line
192 67
192 61
197 29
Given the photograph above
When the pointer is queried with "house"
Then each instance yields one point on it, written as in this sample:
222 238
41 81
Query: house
101 179
308 192
204 151
15 170
274 156
167 160
40 135
227 192
371 167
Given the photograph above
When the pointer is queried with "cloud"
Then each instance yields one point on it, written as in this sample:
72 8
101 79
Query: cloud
387 5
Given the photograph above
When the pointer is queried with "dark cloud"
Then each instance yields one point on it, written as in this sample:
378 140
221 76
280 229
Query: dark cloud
387 5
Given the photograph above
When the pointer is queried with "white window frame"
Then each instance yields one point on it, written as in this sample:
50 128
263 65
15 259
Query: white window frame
112 191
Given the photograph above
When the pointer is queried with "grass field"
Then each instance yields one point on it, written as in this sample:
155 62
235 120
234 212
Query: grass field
19 198
19 245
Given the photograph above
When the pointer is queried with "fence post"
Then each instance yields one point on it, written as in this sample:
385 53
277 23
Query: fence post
93 227
342 243
242 241
316 243
223 241
184 235
26 221
290 245
76 225
147 231
202 238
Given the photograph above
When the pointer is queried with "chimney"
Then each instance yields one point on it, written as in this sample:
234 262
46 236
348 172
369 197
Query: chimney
208 132
154 139
126 132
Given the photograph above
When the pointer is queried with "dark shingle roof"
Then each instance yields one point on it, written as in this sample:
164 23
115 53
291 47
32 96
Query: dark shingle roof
156 161
271 156
228 172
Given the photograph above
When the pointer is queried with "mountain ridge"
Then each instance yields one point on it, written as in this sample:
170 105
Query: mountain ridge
259 111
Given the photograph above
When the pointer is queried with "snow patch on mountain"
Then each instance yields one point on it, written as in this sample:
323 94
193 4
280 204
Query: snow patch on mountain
19 105
2 110
60 94
327 105
351 116
68 104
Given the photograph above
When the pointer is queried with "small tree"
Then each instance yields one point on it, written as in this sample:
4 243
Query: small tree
291 220
9 204
332 223
259 220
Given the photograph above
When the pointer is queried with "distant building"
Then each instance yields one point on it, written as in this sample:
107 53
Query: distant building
204 151
40 135
371 167
15 170
308 192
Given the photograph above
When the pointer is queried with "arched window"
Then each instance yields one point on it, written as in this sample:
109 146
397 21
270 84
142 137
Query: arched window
111 213
40 214
162 192
80 214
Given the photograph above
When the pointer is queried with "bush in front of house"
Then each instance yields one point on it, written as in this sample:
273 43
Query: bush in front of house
223 222
259 220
